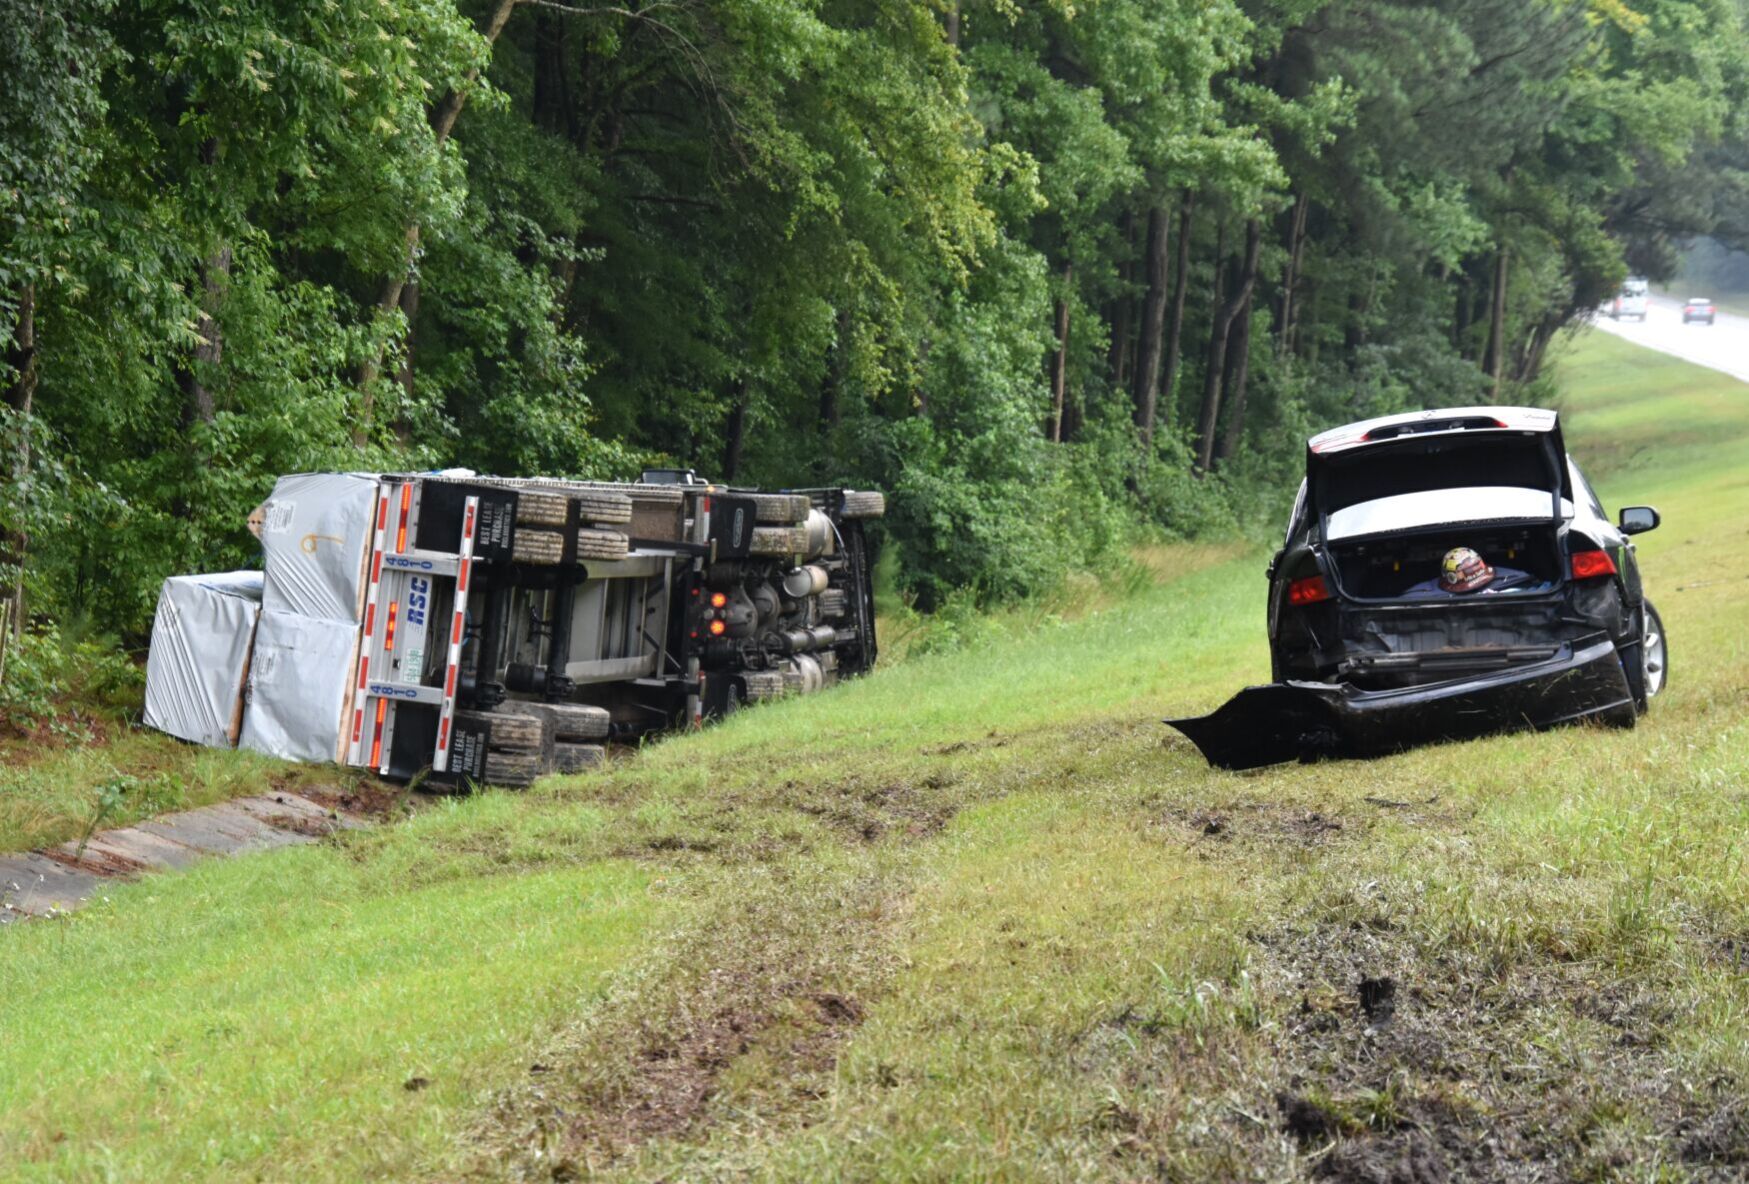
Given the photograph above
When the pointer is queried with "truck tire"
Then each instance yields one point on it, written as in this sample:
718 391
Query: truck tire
574 758
778 541
573 722
512 770
541 509
780 509
607 509
864 503
601 544
762 685
506 731
543 548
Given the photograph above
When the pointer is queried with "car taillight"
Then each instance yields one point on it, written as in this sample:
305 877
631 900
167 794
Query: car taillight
1310 590
1588 565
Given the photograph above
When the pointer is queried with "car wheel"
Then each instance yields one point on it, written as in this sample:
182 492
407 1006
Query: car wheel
1649 667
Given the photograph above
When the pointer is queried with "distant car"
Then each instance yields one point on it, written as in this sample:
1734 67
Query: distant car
1630 301
1699 309
1371 652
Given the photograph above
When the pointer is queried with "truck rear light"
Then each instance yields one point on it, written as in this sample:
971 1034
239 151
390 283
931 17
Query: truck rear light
717 628
1588 565
718 600
1310 590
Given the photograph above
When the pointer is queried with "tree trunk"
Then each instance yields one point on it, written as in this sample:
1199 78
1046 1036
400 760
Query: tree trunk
1150 348
442 123
552 90
197 400
1060 361
21 398
953 24
1175 327
410 310
1496 362
1238 372
1460 320
1290 279
1117 360
733 432
1219 331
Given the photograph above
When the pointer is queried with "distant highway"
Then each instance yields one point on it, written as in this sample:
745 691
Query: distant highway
1723 345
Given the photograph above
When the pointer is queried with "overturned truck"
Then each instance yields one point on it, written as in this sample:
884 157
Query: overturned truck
472 630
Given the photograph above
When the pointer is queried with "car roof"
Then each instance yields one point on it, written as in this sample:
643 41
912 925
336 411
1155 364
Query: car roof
1421 423
1699 300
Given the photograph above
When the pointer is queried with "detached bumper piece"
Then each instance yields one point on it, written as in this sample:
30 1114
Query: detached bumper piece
1306 721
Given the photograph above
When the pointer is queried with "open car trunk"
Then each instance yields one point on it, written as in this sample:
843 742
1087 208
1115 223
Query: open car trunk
1388 512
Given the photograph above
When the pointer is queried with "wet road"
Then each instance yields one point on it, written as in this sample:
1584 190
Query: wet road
1720 346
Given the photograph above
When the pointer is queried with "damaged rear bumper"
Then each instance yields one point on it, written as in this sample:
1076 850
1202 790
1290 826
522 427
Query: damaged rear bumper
1287 721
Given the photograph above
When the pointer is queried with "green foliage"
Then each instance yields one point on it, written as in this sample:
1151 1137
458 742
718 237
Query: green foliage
806 241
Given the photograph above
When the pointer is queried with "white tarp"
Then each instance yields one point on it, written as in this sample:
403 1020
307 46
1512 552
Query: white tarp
299 686
316 530
200 655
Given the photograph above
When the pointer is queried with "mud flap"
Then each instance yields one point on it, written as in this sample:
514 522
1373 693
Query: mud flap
1287 721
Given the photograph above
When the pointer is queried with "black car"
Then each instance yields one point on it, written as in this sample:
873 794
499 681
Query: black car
1372 653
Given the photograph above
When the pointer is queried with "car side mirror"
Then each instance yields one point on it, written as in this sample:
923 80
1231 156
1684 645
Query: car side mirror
1638 519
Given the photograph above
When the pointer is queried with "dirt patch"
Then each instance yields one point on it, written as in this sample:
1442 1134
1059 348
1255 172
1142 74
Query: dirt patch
1402 1069
739 1019
95 860
867 812
1257 821
369 798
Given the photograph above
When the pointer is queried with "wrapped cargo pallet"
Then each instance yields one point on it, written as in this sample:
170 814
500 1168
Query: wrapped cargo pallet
300 686
316 533
199 660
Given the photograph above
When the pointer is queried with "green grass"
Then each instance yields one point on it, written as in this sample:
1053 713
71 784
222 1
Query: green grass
981 917
51 793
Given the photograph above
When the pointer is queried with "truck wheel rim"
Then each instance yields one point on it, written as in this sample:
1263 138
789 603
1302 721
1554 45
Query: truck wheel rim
1654 651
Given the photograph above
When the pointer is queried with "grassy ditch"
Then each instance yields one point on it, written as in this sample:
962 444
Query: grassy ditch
981 917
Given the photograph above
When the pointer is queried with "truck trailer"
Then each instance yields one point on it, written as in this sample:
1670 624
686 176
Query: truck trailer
464 630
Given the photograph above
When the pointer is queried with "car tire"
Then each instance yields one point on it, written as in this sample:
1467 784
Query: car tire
1648 670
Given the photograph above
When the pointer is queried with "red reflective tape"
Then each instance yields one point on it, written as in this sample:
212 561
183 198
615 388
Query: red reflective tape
357 724
468 524
456 632
461 580
363 671
376 744
443 736
383 512
401 530
370 618
376 568
449 683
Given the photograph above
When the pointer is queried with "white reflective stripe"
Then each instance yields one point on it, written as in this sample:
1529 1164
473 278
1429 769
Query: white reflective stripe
452 666
357 755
